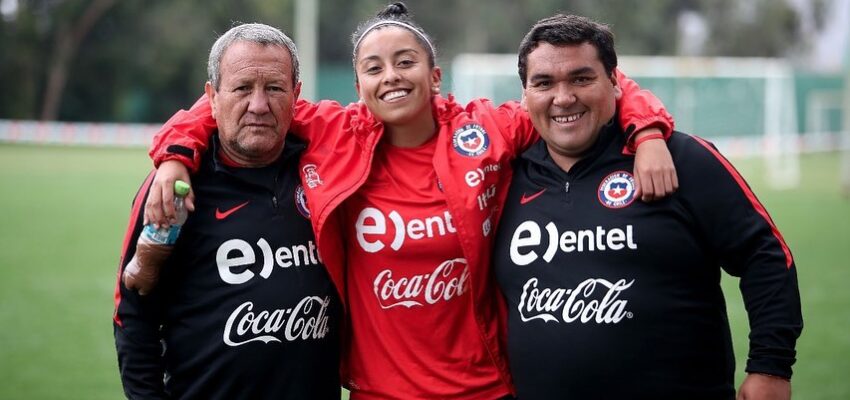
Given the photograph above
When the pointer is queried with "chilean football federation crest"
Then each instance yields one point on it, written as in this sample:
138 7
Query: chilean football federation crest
617 190
301 202
471 140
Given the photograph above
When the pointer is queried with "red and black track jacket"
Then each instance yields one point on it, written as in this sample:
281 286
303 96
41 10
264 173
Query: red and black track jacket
610 297
244 308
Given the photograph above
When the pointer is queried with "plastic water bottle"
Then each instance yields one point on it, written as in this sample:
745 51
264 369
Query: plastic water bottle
155 246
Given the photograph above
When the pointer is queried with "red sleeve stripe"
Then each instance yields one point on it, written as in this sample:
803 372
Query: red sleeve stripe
751 197
135 214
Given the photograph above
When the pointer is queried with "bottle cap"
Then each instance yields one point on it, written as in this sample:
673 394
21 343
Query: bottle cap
181 188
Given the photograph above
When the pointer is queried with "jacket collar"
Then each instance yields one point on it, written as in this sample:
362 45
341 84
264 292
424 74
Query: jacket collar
262 176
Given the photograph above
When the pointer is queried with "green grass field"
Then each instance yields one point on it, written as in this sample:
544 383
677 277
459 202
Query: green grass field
64 211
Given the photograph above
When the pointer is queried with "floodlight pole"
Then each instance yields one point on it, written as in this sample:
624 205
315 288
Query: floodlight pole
306 38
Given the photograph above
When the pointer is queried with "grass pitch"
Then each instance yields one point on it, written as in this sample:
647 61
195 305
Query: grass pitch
63 215
63 212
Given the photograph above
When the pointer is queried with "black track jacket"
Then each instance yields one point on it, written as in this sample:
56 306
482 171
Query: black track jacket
244 308
613 298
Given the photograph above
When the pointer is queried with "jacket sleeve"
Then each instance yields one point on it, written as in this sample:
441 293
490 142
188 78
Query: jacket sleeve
640 109
136 322
185 136
514 121
748 245
320 123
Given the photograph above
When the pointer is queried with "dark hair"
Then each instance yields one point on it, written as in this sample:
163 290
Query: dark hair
395 12
562 30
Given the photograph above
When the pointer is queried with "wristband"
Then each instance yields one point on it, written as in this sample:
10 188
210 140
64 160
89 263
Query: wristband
651 136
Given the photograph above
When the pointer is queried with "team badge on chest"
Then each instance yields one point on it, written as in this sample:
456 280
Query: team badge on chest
471 140
301 202
617 190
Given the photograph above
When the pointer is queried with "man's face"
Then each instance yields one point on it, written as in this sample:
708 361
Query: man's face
254 103
569 98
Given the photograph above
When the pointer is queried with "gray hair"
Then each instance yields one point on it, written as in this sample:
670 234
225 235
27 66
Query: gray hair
254 33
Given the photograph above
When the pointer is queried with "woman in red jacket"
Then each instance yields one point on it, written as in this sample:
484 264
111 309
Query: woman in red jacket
404 191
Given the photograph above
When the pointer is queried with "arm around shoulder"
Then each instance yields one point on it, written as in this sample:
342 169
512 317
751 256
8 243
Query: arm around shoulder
185 136
647 124
640 109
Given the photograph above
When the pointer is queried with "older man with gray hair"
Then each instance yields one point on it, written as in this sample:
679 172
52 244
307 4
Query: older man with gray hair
244 308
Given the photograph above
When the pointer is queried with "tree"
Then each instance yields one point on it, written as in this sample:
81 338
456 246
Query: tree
755 28
139 60
67 40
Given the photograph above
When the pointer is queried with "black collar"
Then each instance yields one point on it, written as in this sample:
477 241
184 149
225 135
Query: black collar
263 176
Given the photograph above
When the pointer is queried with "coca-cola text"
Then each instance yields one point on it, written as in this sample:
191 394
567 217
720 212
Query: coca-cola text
593 300
449 280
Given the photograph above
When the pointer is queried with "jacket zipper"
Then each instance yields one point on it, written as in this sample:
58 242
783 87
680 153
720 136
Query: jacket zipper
274 193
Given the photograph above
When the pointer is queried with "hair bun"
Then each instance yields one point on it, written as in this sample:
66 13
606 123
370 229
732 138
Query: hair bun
394 10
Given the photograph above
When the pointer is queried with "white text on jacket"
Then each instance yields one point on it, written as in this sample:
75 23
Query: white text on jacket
449 280
285 257
528 234
371 221
307 320
581 304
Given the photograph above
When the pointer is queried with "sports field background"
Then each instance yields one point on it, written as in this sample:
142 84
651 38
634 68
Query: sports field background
63 212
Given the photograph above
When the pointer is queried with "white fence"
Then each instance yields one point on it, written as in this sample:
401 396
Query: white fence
128 135
77 133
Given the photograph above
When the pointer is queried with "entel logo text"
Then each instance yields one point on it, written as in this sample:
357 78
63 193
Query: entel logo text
475 177
372 221
528 234
297 255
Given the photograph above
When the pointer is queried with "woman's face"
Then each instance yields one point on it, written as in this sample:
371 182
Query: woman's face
394 79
